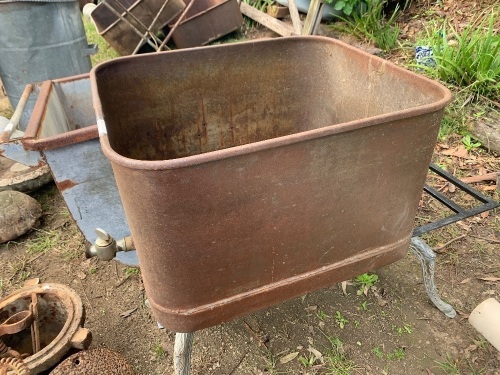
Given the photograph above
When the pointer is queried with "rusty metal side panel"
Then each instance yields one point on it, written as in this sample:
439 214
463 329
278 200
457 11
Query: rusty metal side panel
290 218
85 179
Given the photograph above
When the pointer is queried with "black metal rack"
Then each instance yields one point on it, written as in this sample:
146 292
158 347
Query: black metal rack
461 213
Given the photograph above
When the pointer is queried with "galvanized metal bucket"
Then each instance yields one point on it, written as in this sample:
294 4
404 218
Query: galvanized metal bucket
40 40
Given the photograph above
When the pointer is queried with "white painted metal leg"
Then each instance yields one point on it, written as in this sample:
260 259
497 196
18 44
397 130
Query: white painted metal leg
182 353
428 259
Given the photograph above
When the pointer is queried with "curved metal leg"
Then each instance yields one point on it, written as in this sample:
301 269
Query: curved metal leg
427 260
182 353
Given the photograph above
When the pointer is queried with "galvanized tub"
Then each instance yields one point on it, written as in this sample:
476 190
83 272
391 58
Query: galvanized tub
63 128
244 186
40 40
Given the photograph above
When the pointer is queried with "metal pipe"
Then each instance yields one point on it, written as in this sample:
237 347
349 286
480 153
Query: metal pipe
14 121
182 353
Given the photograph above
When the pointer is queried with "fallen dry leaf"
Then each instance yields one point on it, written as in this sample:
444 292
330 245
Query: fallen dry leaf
465 280
81 275
490 278
127 313
289 357
311 308
459 152
317 354
485 214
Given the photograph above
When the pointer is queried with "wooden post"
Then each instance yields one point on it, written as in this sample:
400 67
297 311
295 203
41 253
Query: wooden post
294 14
313 18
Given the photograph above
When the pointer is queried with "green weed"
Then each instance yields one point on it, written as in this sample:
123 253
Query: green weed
43 242
131 271
469 59
340 320
449 366
372 25
469 143
159 351
365 281
336 361
322 315
307 360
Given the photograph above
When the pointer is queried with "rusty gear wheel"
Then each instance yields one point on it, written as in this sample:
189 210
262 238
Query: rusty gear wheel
13 366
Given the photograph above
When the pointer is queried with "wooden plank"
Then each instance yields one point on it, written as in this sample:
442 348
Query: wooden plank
275 25
313 17
294 14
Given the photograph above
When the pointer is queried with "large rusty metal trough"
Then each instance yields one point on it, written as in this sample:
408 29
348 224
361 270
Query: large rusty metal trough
253 173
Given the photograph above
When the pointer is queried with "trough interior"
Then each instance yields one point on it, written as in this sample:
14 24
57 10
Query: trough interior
69 107
184 103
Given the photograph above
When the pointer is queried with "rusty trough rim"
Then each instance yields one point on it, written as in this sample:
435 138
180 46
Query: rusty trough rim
198 159
31 140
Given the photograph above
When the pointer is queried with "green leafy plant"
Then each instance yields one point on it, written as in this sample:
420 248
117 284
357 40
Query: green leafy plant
365 281
307 361
341 321
469 142
346 6
378 352
322 315
469 59
372 24
397 354
406 328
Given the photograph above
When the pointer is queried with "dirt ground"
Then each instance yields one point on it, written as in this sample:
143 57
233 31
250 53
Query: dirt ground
393 329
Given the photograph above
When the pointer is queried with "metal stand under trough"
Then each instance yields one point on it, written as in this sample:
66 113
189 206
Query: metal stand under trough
428 260
182 353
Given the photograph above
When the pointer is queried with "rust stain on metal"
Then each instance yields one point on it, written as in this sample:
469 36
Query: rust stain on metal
65 184
265 191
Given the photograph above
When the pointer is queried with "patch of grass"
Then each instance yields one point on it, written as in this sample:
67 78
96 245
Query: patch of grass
105 52
92 270
131 271
406 328
43 242
322 315
159 351
378 352
397 354
469 59
449 366
372 25
336 362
